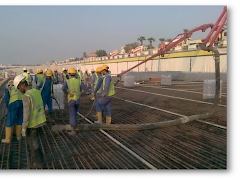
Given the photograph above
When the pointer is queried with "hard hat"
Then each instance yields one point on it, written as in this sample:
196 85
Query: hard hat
10 81
72 71
49 72
105 66
24 69
63 69
99 69
40 70
55 70
28 72
46 70
18 79
92 70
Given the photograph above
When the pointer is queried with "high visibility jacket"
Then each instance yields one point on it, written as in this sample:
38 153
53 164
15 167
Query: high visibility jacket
96 79
40 78
37 115
28 78
15 95
80 76
95 85
73 89
44 81
65 77
111 90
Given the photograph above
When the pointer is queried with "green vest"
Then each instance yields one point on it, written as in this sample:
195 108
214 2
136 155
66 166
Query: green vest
80 76
73 89
111 90
37 115
96 79
40 78
95 85
27 77
15 95
44 81
65 77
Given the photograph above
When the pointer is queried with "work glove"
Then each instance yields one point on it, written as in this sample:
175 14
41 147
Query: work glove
23 132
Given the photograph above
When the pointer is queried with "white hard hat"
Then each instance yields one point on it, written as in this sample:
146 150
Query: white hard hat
18 79
63 69
24 69
46 70
28 72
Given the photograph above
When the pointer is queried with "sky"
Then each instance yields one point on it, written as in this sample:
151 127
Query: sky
39 34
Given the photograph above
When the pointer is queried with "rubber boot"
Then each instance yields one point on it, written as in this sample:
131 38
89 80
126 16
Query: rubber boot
73 132
18 132
8 135
99 116
108 119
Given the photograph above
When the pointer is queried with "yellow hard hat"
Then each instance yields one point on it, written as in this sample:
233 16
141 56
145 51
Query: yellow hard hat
49 72
40 70
55 70
105 67
10 81
72 71
92 70
99 69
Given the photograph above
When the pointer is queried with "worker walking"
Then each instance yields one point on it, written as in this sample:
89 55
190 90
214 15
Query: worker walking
13 100
33 117
72 88
27 75
39 77
106 66
105 100
65 75
55 76
93 81
46 89
79 74
86 78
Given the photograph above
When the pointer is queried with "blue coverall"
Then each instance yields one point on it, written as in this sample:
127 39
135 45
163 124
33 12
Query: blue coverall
46 94
73 105
104 101
55 74
15 110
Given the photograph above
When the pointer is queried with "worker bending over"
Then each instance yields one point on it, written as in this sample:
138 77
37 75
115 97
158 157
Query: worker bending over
33 117
72 88
46 89
106 96
13 100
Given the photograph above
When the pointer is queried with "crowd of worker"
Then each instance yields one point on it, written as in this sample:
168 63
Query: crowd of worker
26 103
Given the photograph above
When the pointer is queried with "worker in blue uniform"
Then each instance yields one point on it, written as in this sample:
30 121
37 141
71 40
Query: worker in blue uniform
46 89
97 89
55 76
93 81
39 77
72 89
106 96
13 100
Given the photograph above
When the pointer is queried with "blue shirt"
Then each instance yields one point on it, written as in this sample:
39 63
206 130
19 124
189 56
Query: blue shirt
46 91
107 83
99 83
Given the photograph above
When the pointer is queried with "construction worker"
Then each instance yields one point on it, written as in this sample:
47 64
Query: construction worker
97 90
13 100
106 66
55 76
26 75
86 78
65 75
39 77
93 81
106 97
79 75
72 88
33 117
31 79
46 89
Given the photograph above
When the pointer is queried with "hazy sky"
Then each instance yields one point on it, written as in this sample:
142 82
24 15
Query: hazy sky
38 34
